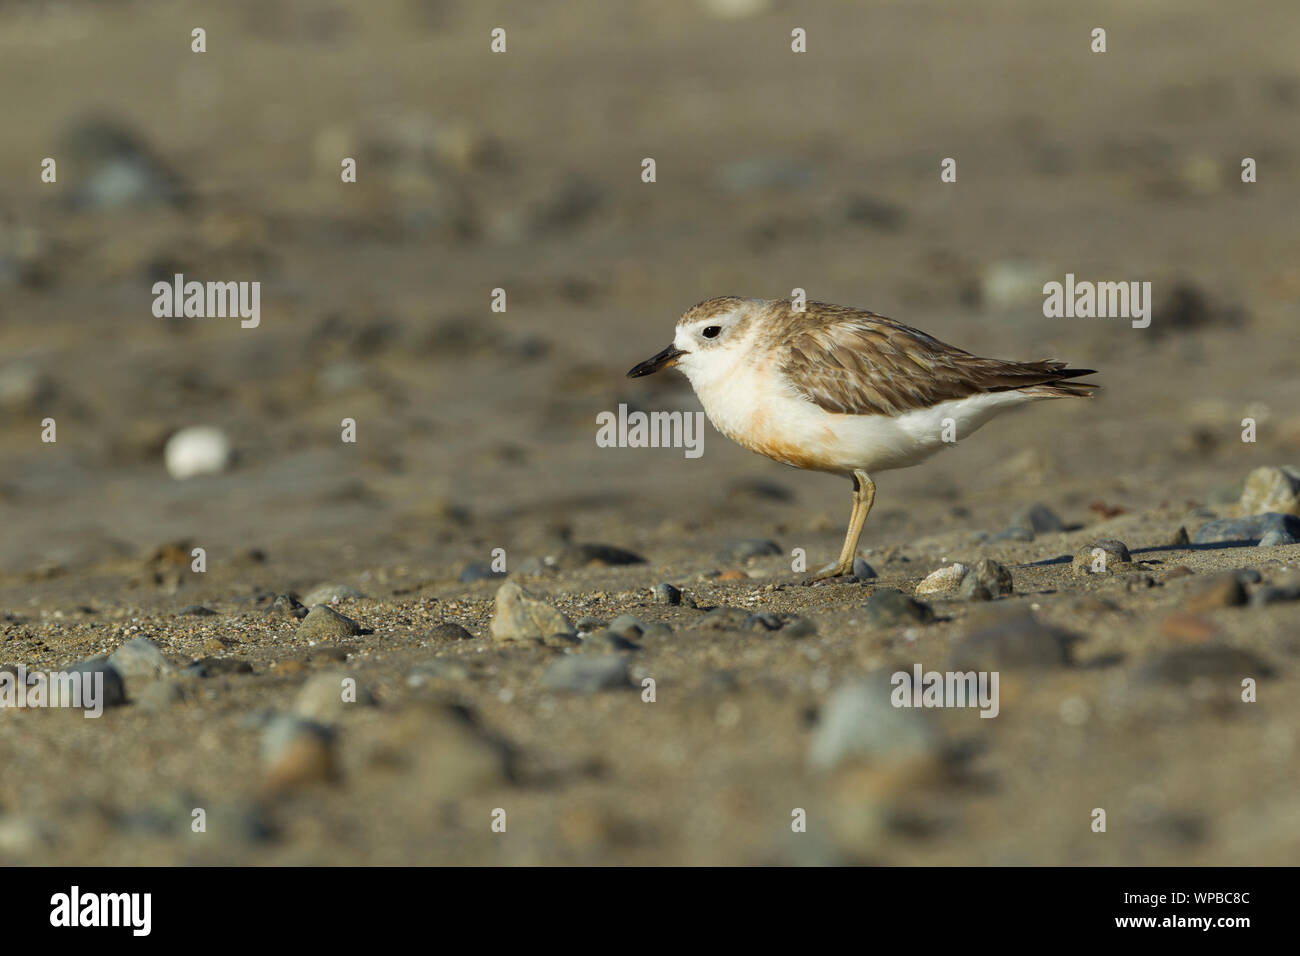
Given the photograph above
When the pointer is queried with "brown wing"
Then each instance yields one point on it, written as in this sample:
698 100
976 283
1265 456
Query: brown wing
865 364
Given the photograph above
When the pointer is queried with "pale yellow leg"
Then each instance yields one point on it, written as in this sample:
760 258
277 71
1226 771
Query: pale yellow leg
864 496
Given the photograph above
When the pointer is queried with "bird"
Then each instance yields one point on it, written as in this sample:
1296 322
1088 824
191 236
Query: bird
842 390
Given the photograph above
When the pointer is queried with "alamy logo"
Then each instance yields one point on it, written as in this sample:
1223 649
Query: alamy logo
651 430
1101 300
103 909
208 300
947 689
82 690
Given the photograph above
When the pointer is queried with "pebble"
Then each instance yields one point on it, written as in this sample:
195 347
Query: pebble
888 607
1271 489
161 694
1036 519
447 631
520 616
480 571
1117 557
1273 538
943 581
607 642
725 619
863 571
139 659
1252 528
860 724
323 623
196 610
667 594
1180 626
322 697
1282 591
625 625
331 593
657 632
1221 590
1015 639
576 556
586 675
1180 538
762 621
743 550
297 751
197 450
1182 665
446 670
118 170
114 692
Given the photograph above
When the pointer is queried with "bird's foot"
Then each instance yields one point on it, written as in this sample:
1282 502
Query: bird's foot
834 574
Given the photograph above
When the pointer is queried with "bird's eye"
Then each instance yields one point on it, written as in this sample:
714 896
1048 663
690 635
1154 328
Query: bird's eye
712 331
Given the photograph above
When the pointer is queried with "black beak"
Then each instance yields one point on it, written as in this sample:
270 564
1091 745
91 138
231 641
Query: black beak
665 359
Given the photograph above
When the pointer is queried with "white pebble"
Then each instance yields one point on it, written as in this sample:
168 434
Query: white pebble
198 450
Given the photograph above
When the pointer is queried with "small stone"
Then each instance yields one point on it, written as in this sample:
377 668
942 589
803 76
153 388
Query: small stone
214 666
800 627
326 697
576 556
888 607
1222 590
724 619
297 751
763 621
1274 538
195 610
1036 519
656 632
738 552
989 577
1252 528
1288 590
332 594
860 724
1012 640
1271 489
447 631
199 450
946 580
161 694
139 659
586 675
1104 556
627 626
1180 539
437 669
667 594
114 690
863 571
323 623
215 645
607 642
289 668
733 575
1184 664
519 616
480 571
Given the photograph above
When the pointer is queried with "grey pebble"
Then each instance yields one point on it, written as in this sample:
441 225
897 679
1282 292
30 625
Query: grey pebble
577 556
1036 519
479 571
288 607
1184 664
329 593
625 625
326 624
607 642
1253 528
161 694
860 724
322 697
889 607
586 674
863 571
988 579
114 691
447 631
1013 640
747 548
667 594
1115 557
139 659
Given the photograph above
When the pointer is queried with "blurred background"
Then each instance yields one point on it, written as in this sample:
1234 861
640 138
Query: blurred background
522 171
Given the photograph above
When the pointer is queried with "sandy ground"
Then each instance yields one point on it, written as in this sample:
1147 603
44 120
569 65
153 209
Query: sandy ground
476 429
